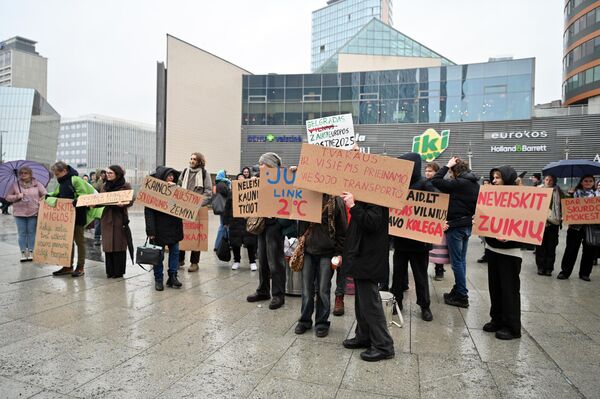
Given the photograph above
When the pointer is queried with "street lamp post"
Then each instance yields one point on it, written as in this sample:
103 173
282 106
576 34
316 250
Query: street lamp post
470 156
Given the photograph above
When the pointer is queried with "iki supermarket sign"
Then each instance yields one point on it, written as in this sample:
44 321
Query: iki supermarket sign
431 144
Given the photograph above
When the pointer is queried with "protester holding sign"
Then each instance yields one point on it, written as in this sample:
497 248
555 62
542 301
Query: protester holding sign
271 258
504 266
545 254
463 188
366 259
196 179
25 195
576 237
416 252
323 242
165 230
115 225
71 186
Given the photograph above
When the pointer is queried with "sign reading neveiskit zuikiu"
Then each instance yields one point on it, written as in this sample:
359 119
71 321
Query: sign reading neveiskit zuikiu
54 234
331 131
170 199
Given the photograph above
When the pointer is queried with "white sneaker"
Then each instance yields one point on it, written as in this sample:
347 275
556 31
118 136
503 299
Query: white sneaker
235 266
23 256
29 255
253 267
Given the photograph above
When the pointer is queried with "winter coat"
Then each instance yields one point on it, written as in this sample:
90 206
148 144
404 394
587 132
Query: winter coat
238 234
98 184
318 241
205 190
165 229
417 182
509 177
463 191
32 194
366 249
113 222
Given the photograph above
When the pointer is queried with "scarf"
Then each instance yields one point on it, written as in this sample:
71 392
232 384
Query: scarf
581 193
119 181
186 176
555 212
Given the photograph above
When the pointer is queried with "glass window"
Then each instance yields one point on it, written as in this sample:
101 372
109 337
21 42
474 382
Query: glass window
312 91
256 114
388 92
331 94
257 81
369 112
312 80
293 81
349 93
330 80
293 113
275 114
276 80
408 91
474 71
520 67
389 111
350 107
311 111
275 95
293 94
454 72
330 109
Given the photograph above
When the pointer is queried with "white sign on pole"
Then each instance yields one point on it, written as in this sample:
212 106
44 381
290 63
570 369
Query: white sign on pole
331 131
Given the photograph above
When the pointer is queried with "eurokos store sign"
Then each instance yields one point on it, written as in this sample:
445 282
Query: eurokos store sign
527 146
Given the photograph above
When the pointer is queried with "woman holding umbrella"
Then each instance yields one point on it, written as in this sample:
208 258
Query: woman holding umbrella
25 195
576 236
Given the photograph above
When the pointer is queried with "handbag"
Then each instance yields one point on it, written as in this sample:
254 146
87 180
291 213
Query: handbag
255 225
297 259
224 250
148 254
592 235
218 204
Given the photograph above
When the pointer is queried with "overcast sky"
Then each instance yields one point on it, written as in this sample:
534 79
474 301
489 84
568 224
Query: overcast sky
102 54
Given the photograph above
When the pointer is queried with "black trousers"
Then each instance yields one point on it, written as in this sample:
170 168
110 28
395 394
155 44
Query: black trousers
545 254
371 326
116 263
505 290
237 253
194 257
271 262
418 263
575 238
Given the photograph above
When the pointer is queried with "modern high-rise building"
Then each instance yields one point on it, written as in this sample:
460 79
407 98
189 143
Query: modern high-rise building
22 66
94 141
334 24
581 44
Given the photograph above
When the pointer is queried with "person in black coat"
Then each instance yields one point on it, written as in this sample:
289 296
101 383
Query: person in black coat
463 188
238 235
366 259
165 230
504 266
413 251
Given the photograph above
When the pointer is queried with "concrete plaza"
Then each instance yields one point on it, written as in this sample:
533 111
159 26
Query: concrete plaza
94 337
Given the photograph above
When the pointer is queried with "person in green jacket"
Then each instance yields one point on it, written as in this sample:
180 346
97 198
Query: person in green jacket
71 186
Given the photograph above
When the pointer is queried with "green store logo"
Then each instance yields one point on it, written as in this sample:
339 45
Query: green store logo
270 138
431 144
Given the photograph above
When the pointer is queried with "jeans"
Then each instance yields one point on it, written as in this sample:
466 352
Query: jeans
318 267
26 227
220 232
340 281
458 240
97 230
173 262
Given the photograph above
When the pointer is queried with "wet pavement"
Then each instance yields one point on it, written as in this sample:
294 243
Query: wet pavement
95 337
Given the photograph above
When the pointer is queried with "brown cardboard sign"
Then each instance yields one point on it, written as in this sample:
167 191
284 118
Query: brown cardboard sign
375 179
195 233
245 197
54 234
279 197
422 218
514 213
169 198
581 210
113 197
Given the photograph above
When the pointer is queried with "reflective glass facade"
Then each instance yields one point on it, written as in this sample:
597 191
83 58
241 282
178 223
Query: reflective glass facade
28 124
490 91
377 38
334 25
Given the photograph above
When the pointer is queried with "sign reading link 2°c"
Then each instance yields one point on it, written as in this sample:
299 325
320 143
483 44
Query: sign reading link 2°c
279 198
431 144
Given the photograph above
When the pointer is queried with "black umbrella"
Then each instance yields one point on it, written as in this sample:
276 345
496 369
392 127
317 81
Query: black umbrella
572 168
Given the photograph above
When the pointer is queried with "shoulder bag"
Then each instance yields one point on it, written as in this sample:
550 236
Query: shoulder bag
592 235
255 225
148 254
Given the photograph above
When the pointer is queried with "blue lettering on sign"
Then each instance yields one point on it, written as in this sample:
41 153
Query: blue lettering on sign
278 139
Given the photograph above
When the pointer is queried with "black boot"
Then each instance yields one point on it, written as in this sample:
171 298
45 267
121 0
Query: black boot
158 285
173 282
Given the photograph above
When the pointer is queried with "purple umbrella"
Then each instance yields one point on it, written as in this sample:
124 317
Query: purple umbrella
9 174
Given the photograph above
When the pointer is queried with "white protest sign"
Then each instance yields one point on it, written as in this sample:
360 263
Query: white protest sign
331 131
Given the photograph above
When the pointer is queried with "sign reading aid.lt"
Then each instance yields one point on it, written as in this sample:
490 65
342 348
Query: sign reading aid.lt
331 131
431 144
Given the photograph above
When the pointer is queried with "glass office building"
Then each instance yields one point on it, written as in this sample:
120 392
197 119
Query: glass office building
335 24
29 126
492 91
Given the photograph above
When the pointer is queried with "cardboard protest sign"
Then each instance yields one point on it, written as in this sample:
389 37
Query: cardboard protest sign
422 218
581 210
171 199
331 131
514 213
371 178
245 197
195 233
54 234
113 197
280 198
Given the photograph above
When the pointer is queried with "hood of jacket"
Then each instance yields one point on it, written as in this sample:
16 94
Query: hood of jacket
416 173
508 173
221 175
162 172
470 175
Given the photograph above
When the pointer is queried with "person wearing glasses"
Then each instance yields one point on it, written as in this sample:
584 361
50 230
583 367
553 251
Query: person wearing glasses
25 195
